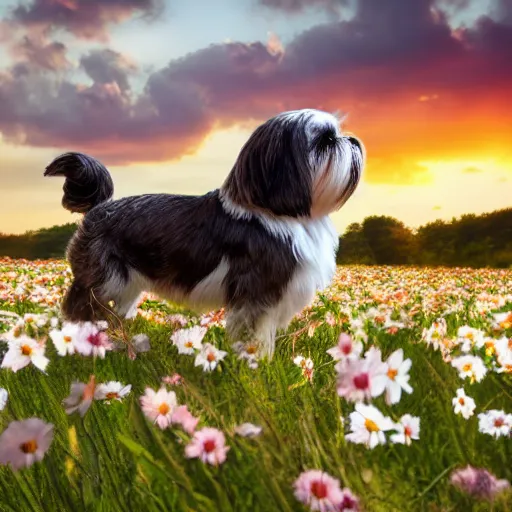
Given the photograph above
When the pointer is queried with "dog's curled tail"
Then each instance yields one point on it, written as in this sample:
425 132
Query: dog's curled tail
87 184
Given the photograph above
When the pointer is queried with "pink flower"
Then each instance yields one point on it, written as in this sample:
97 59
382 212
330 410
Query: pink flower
209 445
174 380
183 417
177 319
159 406
92 341
81 396
362 379
349 503
478 482
24 442
346 349
318 490
330 319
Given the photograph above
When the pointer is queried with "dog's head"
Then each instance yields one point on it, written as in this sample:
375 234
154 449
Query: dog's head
296 164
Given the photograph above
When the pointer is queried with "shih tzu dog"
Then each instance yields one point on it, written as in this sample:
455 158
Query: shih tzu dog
261 246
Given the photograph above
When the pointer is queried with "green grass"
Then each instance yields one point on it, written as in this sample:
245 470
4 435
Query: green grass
115 460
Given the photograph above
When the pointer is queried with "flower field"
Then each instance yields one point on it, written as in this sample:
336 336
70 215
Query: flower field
392 392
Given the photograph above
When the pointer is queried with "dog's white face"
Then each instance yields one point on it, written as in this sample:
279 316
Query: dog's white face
297 164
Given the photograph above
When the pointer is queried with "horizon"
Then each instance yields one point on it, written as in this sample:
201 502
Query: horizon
166 95
75 219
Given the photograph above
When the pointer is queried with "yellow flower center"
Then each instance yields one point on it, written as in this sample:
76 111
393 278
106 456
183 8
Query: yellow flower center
112 395
210 357
26 350
29 446
67 339
251 349
507 322
461 401
470 336
467 367
371 426
17 331
164 409
189 344
392 373
489 348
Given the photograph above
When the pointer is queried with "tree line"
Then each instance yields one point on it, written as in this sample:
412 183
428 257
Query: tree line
469 241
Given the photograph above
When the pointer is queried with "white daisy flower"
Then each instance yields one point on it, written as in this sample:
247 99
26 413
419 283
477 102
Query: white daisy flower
4 396
503 348
38 320
23 351
189 340
248 430
303 362
471 367
435 333
495 423
112 390
502 320
397 377
468 337
463 404
247 351
504 365
408 428
368 425
209 357
65 339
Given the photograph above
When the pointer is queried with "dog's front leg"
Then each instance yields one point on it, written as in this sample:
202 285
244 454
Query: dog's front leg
265 336
251 326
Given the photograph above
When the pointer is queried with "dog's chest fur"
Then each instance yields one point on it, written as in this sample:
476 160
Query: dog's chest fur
312 249
314 244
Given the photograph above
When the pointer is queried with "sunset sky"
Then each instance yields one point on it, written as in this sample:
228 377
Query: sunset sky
165 93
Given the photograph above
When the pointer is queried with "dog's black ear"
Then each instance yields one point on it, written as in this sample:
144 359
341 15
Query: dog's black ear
272 171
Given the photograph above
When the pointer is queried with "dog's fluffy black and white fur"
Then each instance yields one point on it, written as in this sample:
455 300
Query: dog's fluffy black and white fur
261 245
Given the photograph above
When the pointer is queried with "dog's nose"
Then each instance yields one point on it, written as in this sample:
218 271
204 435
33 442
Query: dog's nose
355 142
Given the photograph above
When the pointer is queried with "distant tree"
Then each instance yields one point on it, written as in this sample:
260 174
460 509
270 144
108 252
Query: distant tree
43 244
354 247
436 244
390 241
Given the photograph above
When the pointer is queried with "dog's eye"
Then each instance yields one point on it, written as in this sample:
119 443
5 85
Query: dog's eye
326 139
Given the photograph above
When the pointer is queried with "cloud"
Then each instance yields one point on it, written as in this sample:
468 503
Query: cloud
375 66
108 67
41 53
87 19
471 170
297 6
